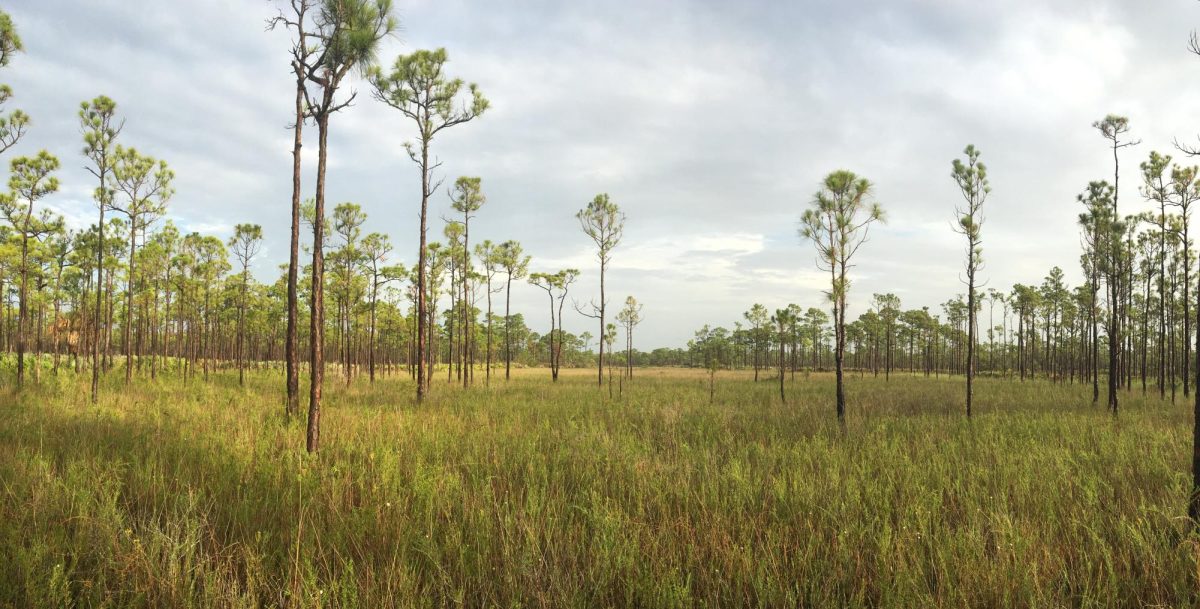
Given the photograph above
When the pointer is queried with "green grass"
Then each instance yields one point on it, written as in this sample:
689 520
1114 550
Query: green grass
532 494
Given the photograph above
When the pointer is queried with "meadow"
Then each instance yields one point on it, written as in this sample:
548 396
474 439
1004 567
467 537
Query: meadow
537 494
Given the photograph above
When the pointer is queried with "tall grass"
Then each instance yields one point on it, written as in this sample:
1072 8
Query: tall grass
533 494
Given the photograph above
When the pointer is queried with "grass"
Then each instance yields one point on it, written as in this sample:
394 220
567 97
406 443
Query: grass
532 494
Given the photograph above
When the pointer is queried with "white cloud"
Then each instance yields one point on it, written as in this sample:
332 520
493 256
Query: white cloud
710 123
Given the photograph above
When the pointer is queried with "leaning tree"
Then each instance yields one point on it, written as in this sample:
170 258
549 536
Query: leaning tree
838 223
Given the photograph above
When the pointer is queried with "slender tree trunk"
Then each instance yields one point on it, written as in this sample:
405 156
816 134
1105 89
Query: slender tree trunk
1187 318
317 299
154 332
129 299
488 374
1194 500
99 304
452 318
603 304
1145 334
559 345
467 313
110 314
23 306
1171 339
839 312
508 329
291 344
241 331
970 329
553 368
371 346
39 322
782 397
1114 339
1096 333
1162 305
422 345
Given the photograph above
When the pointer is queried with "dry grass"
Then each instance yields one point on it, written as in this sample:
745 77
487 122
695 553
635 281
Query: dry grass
533 494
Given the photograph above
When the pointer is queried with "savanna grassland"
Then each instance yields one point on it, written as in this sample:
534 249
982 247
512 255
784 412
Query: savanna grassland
533 494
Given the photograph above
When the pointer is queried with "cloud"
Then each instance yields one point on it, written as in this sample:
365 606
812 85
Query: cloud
710 123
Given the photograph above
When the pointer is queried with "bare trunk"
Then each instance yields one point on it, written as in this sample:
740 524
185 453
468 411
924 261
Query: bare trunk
508 330
129 299
371 346
1114 342
23 306
241 331
97 322
422 345
600 360
970 329
839 322
291 344
488 358
317 304
1194 500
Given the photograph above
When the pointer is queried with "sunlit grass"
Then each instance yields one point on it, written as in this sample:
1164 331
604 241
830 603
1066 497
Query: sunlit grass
529 493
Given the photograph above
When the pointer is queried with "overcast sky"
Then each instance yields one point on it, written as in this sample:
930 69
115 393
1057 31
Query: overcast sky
709 123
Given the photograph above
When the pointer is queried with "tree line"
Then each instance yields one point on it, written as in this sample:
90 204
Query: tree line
133 285
134 291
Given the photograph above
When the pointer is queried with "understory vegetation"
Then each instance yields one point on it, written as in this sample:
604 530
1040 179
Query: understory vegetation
533 494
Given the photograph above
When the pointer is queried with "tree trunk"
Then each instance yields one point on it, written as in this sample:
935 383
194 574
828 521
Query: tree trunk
241 331
839 322
129 298
317 304
782 397
23 306
466 304
1114 342
422 345
1194 500
603 303
488 374
99 304
970 329
508 329
1187 318
371 339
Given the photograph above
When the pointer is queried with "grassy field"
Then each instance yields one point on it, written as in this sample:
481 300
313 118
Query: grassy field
534 494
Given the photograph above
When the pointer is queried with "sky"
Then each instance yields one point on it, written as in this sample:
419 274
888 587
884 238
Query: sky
710 123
